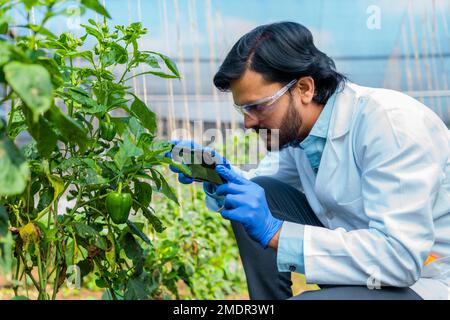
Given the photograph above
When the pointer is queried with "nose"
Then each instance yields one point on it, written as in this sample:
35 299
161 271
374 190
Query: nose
250 122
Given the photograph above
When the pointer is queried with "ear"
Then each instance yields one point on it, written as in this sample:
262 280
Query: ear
306 89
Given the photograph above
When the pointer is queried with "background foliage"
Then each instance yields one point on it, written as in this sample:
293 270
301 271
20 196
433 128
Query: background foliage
91 137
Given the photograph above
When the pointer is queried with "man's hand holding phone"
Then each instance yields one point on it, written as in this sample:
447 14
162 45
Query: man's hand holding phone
202 172
237 198
201 162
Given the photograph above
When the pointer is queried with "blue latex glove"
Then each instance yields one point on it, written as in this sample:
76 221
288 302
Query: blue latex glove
213 201
245 202
179 145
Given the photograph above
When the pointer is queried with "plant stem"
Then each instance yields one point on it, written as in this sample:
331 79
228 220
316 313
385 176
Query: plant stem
124 73
42 280
134 76
44 211
28 273
28 200
95 209
113 293
70 106
58 271
16 277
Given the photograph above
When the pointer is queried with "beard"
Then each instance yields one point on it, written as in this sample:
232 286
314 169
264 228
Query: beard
277 139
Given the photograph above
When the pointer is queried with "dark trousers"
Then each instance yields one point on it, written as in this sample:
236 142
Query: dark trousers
260 265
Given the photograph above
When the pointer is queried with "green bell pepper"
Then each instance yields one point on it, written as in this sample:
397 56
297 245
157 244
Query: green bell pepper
107 130
118 205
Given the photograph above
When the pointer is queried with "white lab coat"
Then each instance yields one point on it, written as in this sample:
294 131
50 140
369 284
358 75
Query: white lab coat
382 191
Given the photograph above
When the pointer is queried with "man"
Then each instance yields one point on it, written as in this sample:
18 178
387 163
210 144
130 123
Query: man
361 197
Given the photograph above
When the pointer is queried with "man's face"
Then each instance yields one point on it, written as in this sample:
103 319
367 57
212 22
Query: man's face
288 114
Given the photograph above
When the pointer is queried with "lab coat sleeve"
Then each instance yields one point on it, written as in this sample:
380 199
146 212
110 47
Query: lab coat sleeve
401 169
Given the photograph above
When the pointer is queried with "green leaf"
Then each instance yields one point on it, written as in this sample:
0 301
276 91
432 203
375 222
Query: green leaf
167 190
161 74
87 232
82 54
143 113
42 132
92 31
90 177
143 193
127 150
86 103
135 128
57 184
137 289
180 166
4 53
95 6
108 58
155 178
53 68
69 252
100 242
161 146
150 60
208 174
33 84
129 244
14 171
3 27
145 141
115 55
29 3
45 198
17 124
81 164
4 221
70 130
169 63
138 232
86 266
50 235
31 153
154 220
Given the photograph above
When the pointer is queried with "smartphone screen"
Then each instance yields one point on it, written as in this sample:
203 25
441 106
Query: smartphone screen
202 166
204 174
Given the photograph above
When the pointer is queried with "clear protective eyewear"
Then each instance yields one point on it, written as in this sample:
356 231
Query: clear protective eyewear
258 108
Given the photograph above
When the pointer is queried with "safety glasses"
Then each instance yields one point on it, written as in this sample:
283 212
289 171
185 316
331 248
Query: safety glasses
262 107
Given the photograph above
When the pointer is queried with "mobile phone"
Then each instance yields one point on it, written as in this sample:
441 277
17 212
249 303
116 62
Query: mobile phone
202 165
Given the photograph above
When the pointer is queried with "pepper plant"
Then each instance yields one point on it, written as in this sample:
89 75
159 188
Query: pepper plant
78 195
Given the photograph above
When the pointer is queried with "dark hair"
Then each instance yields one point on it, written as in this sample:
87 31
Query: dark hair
281 52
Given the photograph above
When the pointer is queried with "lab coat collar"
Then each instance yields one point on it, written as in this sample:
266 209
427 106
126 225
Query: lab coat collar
340 123
342 111
320 128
